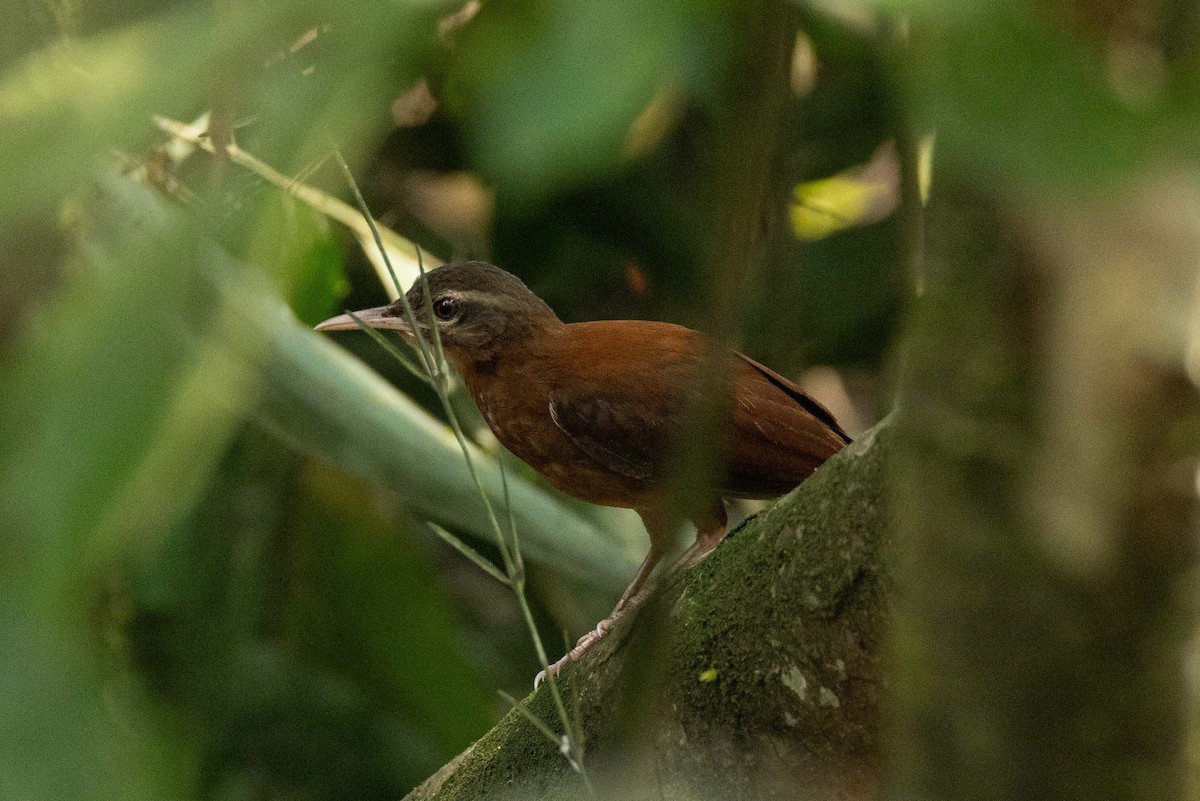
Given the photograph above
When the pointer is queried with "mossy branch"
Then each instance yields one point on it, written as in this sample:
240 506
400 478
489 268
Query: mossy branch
758 670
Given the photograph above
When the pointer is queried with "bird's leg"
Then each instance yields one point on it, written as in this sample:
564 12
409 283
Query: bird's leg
633 595
710 530
660 541
653 557
660 527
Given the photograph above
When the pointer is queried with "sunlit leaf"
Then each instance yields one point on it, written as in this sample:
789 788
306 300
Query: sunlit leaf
400 252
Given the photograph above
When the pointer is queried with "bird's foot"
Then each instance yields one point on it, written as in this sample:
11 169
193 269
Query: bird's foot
585 642
601 629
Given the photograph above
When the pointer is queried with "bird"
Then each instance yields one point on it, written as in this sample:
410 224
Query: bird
598 408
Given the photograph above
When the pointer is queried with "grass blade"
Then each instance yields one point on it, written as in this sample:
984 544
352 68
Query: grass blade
472 554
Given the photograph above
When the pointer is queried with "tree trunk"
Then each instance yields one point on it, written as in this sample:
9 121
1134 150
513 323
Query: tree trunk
1045 497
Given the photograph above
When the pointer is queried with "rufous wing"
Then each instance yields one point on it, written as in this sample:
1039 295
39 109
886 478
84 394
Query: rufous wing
627 410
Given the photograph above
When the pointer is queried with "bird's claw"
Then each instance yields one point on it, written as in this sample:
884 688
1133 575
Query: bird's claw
601 629
585 642
552 670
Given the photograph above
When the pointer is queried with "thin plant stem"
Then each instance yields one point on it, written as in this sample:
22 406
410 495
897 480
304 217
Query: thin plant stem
527 613
537 722
392 350
466 550
409 315
514 570
362 205
194 135
438 357
512 521
512 560
562 743
516 573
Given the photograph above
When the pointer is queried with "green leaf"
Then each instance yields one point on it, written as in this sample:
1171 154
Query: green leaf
298 244
304 633
399 635
99 367
88 390
1014 95
328 404
555 86
63 108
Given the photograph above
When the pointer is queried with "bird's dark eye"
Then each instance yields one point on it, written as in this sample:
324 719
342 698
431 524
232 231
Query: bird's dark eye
445 308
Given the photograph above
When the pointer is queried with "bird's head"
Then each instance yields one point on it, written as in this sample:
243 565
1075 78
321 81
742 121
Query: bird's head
478 309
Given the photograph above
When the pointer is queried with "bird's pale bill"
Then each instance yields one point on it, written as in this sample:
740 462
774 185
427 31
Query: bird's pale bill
382 317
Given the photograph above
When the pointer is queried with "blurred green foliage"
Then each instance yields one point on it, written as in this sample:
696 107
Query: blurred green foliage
214 577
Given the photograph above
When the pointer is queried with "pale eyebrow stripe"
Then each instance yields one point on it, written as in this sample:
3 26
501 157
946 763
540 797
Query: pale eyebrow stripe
470 295
474 296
